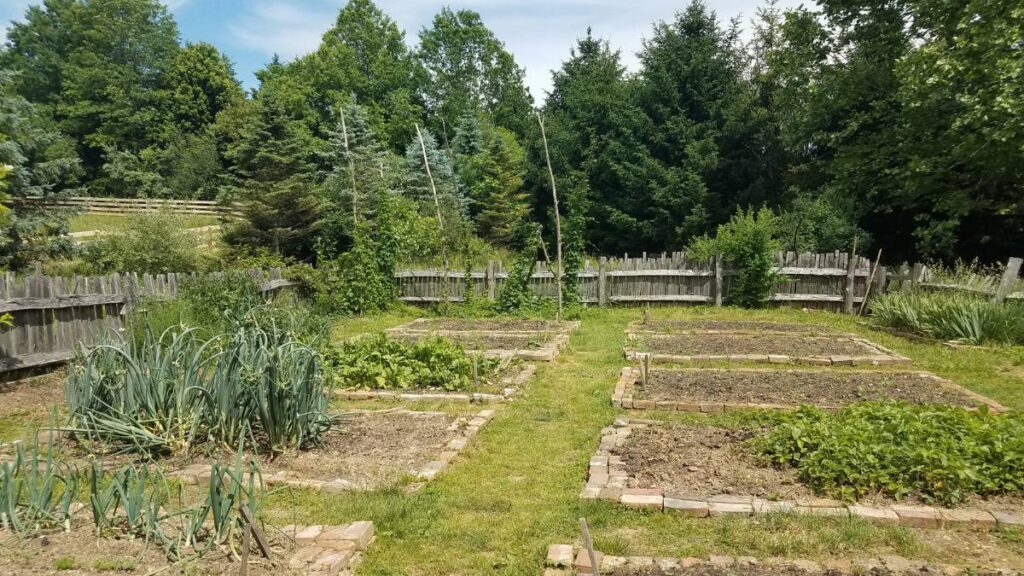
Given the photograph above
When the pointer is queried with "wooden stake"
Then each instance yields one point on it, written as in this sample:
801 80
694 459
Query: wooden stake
558 220
351 167
437 208
589 544
261 541
871 282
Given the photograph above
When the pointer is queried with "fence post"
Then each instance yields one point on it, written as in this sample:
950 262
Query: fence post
851 278
602 281
881 276
490 281
718 280
1009 277
916 274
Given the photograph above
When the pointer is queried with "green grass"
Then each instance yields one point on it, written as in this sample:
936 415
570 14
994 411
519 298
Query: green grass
515 489
108 222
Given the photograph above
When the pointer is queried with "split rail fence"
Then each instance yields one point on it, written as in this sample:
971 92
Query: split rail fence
96 205
53 315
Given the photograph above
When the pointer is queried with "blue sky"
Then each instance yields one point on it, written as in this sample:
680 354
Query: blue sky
538 32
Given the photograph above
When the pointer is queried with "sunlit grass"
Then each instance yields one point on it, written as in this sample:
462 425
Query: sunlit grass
109 222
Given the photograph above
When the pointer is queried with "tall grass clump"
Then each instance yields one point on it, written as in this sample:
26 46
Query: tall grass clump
176 391
958 316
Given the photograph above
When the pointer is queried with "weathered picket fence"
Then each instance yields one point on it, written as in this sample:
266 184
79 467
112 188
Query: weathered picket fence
52 315
833 280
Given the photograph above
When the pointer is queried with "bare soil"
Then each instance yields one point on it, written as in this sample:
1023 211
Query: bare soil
32 396
708 461
372 449
478 341
81 553
760 569
487 325
726 326
725 344
826 389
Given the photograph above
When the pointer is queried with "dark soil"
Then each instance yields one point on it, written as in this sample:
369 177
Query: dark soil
725 326
510 325
477 341
372 449
797 387
725 344
81 553
708 461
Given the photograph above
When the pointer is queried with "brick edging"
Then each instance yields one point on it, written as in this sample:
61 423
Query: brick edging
607 479
636 327
468 426
624 395
514 385
570 559
327 550
411 328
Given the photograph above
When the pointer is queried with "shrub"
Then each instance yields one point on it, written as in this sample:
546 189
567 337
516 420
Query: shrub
956 316
150 243
748 241
380 362
942 454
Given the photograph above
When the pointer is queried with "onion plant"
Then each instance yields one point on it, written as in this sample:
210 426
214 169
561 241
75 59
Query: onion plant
36 491
956 316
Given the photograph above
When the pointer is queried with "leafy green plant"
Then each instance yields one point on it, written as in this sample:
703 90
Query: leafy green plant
956 316
941 454
380 362
153 243
748 241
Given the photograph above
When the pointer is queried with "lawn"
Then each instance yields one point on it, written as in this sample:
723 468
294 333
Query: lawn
515 489
108 222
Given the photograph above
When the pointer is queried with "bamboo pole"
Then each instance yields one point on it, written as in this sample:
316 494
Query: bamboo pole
871 282
558 220
437 208
351 167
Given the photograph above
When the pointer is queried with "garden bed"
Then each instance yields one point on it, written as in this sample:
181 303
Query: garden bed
766 348
703 470
499 389
539 346
444 325
369 450
726 327
711 390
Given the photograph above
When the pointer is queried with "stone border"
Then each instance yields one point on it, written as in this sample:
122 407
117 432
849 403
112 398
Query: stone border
329 550
882 355
624 395
545 353
636 327
412 327
513 384
200 473
606 480
567 560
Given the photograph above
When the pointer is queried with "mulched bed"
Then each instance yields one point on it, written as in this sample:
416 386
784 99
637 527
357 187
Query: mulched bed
480 341
687 460
730 326
486 325
826 389
723 344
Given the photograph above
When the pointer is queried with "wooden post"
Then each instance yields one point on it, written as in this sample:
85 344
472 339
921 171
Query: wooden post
851 278
558 218
490 280
1009 277
589 545
916 274
718 280
602 281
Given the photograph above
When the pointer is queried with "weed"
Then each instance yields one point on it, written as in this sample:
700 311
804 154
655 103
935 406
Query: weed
65 563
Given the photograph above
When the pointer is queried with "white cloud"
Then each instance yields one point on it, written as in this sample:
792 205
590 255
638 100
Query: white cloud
272 27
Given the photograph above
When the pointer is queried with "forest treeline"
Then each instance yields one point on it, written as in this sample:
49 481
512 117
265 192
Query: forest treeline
896 121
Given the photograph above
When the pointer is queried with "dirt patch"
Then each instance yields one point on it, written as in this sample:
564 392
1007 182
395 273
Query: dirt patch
81 553
798 387
709 461
729 326
372 449
32 396
489 325
481 341
724 345
709 570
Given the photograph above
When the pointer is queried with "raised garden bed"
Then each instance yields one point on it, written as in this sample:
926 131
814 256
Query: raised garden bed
714 390
367 451
538 346
706 471
778 349
443 325
320 552
500 390
726 327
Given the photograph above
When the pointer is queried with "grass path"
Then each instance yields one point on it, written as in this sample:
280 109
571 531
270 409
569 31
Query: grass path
515 490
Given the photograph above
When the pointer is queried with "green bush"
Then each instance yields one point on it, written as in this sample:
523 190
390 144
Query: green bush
147 243
380 362
959 316
941 454
749 242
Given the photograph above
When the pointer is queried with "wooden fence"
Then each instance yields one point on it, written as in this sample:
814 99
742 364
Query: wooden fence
95 205
831 280
1008 286
52 315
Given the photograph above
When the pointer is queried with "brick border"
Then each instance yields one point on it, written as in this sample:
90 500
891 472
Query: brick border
569 559
637 327
566 328
607 479
625 393
546 353
513 385
329 550
882 355
469 426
